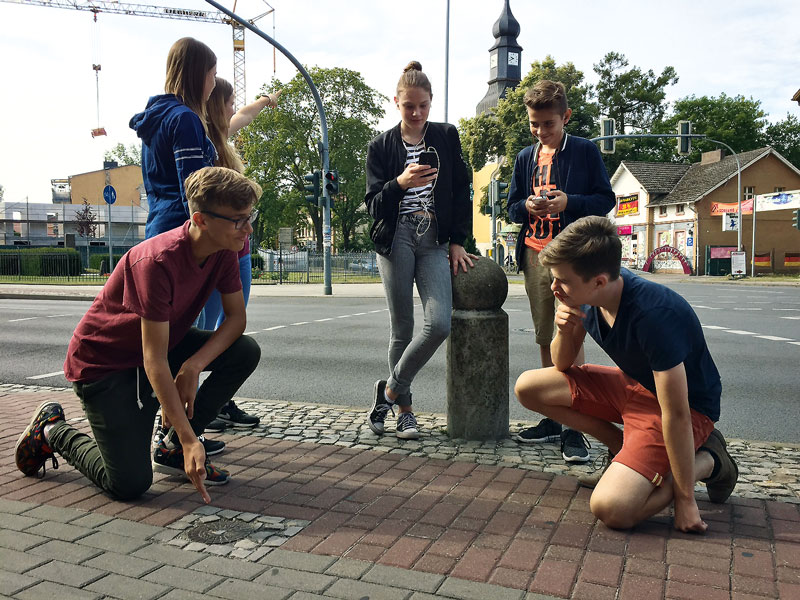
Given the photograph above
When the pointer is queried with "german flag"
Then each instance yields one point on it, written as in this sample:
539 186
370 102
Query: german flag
791 259
763 260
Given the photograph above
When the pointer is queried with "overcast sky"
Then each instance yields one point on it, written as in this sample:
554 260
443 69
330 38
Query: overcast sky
48 106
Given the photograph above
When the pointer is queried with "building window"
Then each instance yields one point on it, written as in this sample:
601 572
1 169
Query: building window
680 209
662 211
749 193
780 189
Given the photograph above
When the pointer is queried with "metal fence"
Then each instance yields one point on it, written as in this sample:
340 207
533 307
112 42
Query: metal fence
306 266
86 264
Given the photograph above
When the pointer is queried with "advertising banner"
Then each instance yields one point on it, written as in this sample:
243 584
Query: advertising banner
628 205
721 208
778 201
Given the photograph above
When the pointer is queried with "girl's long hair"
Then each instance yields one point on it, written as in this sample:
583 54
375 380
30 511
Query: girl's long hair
188 63
219 124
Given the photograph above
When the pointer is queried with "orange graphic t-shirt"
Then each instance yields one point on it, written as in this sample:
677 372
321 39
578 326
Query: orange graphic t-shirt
542 229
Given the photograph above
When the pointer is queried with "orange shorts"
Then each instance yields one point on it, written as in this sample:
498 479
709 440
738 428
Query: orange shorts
608 394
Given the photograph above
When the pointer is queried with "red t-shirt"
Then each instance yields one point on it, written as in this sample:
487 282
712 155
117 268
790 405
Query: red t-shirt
159 280
540 230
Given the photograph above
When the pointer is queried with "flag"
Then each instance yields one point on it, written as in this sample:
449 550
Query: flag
791 259
763 260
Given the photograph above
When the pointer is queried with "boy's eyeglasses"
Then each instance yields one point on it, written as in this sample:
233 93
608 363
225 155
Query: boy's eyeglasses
237 223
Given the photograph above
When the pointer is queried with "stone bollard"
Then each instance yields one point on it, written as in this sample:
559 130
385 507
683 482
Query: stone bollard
477 355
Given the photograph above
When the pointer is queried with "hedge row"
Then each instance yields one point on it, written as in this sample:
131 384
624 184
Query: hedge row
41 262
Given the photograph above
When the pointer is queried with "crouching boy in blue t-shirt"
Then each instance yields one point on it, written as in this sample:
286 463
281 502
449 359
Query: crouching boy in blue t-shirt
665 390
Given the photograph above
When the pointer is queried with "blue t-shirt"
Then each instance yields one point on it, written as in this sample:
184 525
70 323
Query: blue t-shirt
655 330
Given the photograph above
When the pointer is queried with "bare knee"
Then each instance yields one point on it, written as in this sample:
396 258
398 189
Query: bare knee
530 389
614 515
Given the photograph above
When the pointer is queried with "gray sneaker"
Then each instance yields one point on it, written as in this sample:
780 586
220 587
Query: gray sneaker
376 416
407 428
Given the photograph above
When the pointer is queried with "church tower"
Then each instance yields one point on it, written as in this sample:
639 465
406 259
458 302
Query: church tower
505 60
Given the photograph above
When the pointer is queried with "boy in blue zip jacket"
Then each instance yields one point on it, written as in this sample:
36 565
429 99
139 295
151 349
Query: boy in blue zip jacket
557 180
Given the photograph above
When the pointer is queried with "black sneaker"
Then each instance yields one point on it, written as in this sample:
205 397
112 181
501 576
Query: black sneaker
236 417
170 460
407 428
212 446
574 446
377 414
721 485
216 426
547 430
32 450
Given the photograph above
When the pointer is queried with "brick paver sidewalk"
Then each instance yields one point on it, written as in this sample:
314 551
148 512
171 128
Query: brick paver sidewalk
356 523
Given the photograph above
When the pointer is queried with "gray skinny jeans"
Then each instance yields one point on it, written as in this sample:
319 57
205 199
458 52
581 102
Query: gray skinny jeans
422 259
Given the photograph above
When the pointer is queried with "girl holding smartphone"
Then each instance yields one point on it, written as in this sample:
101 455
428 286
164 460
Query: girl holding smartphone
422 216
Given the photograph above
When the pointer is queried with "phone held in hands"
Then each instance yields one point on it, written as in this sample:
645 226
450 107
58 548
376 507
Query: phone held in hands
429 158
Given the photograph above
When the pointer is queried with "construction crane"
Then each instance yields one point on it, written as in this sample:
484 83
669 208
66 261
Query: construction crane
168 12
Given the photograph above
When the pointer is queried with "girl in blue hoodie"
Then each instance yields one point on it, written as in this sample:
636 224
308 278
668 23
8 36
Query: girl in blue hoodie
174 139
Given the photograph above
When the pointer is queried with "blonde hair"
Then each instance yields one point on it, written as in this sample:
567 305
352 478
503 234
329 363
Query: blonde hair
219 125
413 77
188 63
212 187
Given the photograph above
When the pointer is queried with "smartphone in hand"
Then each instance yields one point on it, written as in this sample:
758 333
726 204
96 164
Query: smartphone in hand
428 158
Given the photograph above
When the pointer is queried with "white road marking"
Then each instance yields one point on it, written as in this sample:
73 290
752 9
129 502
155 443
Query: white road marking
795 309
46 375
747 308
321 320
714 327
54 316
301 323
274 328
774 338
344 316
358 314
25 319
794 343
250 332
707 307
790 318
741 332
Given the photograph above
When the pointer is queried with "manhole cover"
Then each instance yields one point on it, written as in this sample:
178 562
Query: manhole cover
222 531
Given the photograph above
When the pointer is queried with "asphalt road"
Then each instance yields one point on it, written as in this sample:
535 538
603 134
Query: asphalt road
331 350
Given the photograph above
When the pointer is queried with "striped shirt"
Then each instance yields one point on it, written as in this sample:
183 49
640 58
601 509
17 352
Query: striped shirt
416 198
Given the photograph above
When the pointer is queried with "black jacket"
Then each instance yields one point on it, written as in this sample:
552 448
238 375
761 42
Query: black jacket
386 159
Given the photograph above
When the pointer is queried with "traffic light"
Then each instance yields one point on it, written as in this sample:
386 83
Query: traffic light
313 187
796 219
332 182
501 195
607 127
684 143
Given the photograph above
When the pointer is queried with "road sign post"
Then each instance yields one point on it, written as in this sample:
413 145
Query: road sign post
110 196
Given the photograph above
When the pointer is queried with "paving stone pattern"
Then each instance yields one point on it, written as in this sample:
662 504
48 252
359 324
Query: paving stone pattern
380 518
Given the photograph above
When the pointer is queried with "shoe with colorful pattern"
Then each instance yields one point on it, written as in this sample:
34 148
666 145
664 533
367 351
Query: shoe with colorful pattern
32 450
169 459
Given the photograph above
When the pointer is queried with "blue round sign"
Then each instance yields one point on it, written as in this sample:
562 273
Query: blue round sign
109 194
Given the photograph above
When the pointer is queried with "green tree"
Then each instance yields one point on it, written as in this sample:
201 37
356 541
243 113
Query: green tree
125 155
784 136
505 131
280 146
633 97
735 120
636 100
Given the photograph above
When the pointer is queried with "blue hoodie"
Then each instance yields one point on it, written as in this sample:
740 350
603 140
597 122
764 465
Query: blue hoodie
174 145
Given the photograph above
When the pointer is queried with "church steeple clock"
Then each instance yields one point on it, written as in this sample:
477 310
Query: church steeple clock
505 59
